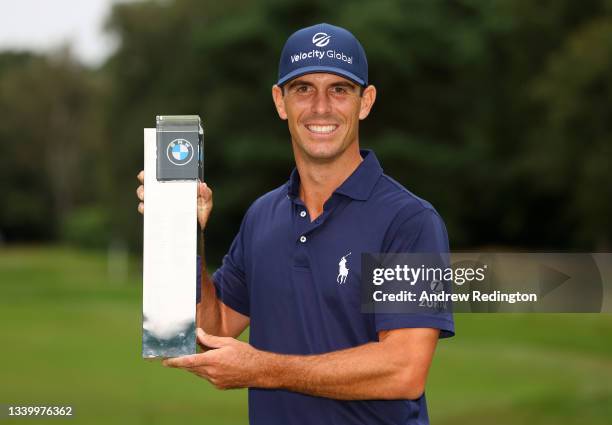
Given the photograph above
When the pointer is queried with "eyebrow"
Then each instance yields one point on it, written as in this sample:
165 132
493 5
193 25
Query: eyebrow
344 84
298 82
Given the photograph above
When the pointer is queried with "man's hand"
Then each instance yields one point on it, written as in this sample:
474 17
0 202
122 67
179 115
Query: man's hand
205 200
227 363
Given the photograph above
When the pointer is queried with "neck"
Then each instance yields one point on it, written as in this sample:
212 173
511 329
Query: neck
319 179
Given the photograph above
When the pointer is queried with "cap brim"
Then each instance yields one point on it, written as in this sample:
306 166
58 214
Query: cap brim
314 69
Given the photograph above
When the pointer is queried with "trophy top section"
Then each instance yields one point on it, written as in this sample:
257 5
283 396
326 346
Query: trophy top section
180 148
183 123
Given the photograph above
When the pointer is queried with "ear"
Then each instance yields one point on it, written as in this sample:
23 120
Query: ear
367 101
279 101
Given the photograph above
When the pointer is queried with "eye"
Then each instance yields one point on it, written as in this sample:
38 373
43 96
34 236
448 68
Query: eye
339 90
302 89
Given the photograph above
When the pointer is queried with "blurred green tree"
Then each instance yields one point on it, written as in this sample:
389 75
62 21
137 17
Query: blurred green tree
50 135
571 151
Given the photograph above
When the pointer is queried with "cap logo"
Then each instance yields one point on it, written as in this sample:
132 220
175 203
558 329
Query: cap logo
320 39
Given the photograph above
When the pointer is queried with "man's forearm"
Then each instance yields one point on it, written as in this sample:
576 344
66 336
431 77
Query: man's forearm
214 317
369 371
208 309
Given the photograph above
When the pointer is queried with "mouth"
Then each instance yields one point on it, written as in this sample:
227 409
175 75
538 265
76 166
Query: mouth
322 129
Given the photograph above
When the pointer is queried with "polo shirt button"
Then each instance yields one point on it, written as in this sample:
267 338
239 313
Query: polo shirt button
302 239
303 214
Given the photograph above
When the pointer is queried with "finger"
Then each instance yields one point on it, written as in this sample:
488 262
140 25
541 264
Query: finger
191 360
199 372
141 207
140 176
199 335
212 341
140 192
204 191
208 195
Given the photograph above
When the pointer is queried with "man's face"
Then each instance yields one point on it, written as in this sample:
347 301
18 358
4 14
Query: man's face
323 113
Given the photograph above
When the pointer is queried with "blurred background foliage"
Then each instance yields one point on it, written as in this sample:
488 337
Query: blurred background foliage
498 112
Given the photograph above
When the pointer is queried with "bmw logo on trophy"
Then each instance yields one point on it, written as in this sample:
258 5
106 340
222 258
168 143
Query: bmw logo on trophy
173 163
180 152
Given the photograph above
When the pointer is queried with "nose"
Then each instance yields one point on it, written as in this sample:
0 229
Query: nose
321 103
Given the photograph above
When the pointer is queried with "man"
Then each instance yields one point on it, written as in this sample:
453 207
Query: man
313 356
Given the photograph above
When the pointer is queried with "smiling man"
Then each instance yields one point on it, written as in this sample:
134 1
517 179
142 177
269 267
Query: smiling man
293 271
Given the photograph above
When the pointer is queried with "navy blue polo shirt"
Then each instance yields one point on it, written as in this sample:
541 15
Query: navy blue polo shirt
285 273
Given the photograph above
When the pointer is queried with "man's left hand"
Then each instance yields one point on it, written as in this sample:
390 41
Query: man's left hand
227 363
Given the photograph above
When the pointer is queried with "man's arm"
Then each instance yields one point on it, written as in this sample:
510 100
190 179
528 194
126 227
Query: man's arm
212 315
396 367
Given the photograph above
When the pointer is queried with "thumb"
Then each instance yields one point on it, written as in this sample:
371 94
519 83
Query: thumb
211 341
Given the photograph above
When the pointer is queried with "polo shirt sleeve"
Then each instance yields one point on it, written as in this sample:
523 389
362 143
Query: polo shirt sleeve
230 279
423 232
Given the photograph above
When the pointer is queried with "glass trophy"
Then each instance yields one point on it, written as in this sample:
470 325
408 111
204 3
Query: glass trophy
173 163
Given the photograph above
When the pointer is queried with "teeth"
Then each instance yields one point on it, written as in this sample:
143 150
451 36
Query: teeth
321 128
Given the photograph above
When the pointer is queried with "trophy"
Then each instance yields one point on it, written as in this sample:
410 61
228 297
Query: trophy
173 162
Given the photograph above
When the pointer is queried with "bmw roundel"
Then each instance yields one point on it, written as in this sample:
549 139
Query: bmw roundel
180 152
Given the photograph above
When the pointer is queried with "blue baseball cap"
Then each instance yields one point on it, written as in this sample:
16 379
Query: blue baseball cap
323 48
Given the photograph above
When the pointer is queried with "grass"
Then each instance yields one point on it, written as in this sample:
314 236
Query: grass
70 336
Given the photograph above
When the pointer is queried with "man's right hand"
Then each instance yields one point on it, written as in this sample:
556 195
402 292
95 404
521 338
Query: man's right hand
205 200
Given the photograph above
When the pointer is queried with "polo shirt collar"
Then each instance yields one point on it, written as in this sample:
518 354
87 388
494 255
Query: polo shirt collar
357 186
